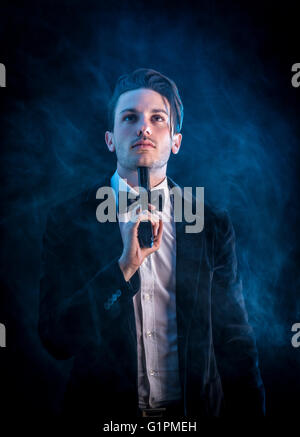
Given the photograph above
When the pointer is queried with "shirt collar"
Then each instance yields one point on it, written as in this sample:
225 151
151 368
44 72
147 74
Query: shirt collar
120 184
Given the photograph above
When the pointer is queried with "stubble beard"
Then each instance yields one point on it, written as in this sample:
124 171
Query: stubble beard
134 162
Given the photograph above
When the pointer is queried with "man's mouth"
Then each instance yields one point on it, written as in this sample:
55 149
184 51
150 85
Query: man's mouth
143 145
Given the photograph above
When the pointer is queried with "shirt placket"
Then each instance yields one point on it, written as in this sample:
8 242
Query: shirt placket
149 328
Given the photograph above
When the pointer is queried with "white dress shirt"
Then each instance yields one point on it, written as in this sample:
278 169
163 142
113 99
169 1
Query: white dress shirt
155 312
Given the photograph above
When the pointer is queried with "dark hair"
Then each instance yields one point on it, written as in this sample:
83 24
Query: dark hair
151 79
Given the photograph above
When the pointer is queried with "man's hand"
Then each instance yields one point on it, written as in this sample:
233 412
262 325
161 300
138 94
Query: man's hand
133 255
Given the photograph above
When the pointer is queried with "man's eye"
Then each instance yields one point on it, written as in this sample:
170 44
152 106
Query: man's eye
158 118
129 117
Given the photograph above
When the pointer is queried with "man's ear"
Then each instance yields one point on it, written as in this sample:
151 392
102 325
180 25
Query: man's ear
176 141
110 141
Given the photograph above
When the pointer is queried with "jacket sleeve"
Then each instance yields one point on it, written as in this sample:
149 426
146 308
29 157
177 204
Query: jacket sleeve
76 307
234 341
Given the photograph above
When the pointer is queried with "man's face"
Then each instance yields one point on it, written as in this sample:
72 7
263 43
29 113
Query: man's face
141 135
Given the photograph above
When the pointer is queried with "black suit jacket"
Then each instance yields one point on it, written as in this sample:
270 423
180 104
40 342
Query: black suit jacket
218 360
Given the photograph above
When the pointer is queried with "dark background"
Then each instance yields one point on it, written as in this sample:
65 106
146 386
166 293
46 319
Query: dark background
232 64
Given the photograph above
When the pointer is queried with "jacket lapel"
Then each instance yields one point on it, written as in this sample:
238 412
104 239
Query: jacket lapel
189 248
112 247
107 234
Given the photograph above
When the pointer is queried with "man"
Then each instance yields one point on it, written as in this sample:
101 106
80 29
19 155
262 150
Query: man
154 332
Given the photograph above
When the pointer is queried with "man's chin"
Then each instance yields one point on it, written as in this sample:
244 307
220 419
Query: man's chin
145 161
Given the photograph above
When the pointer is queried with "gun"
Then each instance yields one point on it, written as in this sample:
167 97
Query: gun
145 230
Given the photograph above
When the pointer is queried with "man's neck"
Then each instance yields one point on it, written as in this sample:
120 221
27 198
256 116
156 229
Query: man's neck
131 176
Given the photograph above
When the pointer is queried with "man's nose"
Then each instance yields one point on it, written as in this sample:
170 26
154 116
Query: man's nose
144 128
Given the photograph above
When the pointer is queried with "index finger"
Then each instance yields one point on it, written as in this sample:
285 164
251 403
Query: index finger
157 239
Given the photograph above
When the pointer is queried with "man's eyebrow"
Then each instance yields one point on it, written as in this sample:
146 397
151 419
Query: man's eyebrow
154 111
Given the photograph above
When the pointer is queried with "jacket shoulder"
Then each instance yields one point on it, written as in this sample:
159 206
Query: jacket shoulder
215 219
69 206
76 212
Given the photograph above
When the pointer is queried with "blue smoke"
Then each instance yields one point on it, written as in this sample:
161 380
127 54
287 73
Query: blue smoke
237 142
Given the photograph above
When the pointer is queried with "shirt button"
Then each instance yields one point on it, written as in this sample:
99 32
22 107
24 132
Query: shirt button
149 334
152 372
147 296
